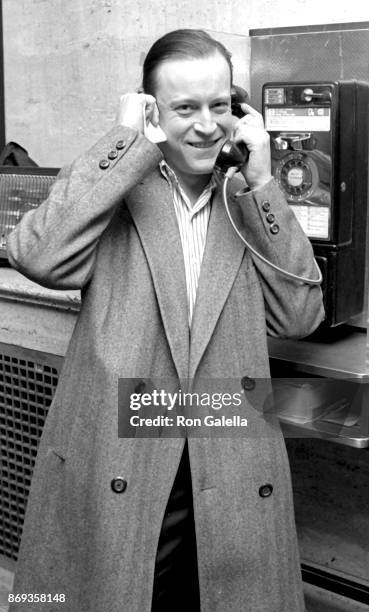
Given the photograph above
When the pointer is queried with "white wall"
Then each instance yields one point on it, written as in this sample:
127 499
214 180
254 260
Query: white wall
284 13
67 61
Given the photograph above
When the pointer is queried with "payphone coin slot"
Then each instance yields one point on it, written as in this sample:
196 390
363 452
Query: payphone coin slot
309 95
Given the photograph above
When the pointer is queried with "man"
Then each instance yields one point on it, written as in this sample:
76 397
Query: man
168 291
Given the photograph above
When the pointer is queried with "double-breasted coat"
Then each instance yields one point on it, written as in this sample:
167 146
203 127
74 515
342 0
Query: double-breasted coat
112 232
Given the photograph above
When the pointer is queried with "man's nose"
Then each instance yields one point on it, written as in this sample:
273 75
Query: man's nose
205 123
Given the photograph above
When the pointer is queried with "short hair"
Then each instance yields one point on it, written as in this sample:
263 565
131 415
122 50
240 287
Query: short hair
181 44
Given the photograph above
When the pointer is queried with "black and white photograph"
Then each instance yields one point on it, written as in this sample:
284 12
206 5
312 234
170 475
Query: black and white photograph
184 316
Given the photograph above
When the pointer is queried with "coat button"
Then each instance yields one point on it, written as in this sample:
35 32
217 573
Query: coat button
270 217
120 145
112 155
118 485
274 229
266 490
104 164
248 383
140 387
265 206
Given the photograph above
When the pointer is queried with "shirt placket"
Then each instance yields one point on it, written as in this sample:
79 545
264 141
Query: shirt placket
189 230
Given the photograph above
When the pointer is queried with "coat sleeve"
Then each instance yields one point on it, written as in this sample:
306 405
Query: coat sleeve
293 308
55 244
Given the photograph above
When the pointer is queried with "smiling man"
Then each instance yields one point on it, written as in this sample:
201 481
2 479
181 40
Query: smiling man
168 291
193 102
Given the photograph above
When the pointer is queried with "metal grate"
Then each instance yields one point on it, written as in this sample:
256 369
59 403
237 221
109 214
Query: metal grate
21 190
28 380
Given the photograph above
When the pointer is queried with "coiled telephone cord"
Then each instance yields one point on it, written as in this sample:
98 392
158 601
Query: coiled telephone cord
309 281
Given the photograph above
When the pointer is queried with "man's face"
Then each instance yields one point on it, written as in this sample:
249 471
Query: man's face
194 101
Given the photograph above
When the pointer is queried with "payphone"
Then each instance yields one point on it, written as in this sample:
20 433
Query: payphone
319 140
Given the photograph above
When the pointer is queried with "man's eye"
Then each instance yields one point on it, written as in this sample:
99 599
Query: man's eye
222 107
185 109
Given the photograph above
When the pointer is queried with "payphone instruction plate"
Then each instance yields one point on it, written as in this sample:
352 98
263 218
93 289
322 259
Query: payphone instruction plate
317 119
313 220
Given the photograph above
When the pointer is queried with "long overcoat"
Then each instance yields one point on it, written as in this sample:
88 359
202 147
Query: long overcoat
110 230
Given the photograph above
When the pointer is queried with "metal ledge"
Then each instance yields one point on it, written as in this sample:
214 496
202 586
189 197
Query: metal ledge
335 583
344 358
15 287
349 436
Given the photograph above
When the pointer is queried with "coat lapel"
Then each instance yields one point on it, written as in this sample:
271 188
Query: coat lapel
157 227
222 259
152 210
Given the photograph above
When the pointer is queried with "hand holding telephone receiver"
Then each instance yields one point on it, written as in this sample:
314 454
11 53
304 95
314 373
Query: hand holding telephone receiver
234 154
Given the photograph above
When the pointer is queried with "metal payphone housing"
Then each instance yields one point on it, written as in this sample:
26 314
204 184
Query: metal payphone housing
319 133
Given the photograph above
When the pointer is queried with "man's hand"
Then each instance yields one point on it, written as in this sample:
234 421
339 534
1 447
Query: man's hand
250 130
135 108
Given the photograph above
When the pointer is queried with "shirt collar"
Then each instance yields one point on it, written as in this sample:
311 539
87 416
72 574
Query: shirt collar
172 179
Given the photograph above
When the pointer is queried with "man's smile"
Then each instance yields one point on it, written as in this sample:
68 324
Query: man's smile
205 145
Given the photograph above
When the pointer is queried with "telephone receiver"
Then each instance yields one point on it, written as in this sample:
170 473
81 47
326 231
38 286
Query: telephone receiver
234 154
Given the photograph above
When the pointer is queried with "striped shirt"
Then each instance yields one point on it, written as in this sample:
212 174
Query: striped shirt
193 227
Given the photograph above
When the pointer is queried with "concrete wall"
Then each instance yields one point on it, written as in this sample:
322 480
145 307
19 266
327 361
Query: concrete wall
284 13
67 61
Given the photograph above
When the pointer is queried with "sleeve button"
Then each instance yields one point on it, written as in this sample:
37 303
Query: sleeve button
270 218
274 229
104 164
120 145
265 206
112 155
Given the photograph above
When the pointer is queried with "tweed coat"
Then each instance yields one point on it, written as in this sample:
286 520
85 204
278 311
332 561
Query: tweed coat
112 232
